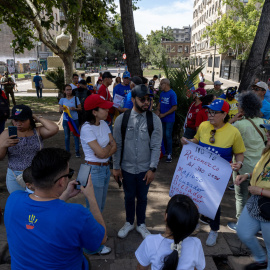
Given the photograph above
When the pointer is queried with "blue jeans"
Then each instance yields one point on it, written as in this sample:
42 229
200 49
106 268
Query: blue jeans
2 126
167 136
67 136
39 92
100 176
12 184
247 227
135 187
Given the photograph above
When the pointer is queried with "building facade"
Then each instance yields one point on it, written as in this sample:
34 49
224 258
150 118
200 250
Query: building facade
180 46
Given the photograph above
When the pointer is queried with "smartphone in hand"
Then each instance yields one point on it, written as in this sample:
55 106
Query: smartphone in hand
12 131
83 175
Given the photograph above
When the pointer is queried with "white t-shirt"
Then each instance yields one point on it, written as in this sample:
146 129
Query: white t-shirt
73 86
91 133
155 248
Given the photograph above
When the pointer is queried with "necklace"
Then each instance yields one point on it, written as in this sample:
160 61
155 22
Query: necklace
42 197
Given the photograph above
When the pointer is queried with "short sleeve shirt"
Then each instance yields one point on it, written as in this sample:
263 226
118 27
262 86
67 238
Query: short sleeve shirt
155 248
121 90
265 109
192 115
202 116
70 103
228 140
167 101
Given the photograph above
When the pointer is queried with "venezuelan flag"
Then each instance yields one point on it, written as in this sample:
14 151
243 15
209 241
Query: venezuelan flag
71 124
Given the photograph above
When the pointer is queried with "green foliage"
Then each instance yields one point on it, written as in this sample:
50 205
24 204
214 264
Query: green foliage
57 77
151 49
181 79
237 28
80 55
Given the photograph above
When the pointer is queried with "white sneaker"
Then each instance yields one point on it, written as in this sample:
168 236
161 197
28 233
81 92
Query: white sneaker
106 250
143 230
125 230
212 238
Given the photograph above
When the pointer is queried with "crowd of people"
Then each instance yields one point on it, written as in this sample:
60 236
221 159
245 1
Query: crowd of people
128 136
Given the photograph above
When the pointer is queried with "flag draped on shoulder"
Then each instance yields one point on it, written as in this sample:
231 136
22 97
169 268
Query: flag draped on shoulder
71 124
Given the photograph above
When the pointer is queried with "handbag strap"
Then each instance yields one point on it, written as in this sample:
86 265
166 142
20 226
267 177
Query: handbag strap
256 128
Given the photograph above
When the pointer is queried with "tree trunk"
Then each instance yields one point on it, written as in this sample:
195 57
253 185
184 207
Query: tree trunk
259 49
68 67
130 41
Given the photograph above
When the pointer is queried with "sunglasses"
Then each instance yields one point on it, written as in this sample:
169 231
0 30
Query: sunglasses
212 138
258 89
143 99
69 175
213 113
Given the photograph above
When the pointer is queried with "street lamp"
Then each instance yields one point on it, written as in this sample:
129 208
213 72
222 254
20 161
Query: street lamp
11 46
94 51
38 60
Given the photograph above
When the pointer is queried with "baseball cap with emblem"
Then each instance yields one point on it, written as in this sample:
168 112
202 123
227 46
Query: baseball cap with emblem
96 101
126 74
219 105
21 112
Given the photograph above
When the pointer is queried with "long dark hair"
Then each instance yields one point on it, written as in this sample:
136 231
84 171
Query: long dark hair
66 85
182 219
88 116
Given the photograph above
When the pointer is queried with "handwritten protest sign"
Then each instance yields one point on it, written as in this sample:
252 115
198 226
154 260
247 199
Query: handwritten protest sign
203 176
117 101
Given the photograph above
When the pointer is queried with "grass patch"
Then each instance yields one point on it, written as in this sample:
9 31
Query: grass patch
21 75
151 72
40 105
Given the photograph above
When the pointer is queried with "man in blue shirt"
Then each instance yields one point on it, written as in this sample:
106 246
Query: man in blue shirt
260 89
166 112
43 231
37 80
267 94
123 88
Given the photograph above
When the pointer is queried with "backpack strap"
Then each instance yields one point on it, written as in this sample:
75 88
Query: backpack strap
76 105
150 123
126 116
253 124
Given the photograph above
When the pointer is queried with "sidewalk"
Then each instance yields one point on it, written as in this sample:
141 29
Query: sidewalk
229 252
226 83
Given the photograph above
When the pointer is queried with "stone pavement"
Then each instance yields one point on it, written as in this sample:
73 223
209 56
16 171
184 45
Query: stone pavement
229 253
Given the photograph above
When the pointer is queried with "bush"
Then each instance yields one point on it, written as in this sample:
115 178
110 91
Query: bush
58 78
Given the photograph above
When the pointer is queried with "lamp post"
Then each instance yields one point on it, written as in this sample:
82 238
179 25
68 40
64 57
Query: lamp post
11 46
94 51
213 71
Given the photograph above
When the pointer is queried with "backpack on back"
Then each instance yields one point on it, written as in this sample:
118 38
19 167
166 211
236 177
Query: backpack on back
150 127
4 108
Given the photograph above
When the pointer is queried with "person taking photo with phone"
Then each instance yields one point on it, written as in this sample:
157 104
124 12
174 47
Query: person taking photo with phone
22 148
98 146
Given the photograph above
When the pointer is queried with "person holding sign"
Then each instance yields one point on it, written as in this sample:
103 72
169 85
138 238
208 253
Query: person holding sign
256 213
220 137
174 249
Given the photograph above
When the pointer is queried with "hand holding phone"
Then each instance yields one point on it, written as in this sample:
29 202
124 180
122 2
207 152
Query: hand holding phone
12 131
83 175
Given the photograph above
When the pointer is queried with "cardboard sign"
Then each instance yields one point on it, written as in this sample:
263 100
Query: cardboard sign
203 176
117 101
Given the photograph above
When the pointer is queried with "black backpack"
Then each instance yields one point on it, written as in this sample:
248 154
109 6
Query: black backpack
4 108
150 127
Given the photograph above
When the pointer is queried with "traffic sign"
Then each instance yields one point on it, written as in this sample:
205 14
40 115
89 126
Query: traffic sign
124 56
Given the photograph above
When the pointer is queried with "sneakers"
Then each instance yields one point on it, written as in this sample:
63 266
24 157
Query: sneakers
256 265
169 158
205 220
125 230
212 238
232 226
104 251
142 230
231 187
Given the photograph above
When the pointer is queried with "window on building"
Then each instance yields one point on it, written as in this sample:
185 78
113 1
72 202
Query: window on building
56 16
217 61
210 60
168 48
180 48
186 49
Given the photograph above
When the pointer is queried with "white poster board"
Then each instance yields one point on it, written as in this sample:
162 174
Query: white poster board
203 176
117 101
11 65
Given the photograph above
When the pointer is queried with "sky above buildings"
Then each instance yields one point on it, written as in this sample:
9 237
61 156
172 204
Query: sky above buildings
153 14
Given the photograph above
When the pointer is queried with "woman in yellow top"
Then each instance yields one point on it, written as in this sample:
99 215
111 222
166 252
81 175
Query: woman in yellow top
220 137
253 218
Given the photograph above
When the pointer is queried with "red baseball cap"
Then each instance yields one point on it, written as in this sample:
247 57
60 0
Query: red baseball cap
96 101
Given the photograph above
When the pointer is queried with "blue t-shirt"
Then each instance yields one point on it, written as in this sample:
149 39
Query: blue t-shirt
167 100
37 79
70 103
121 89
267 96
128 102
49 235
265 109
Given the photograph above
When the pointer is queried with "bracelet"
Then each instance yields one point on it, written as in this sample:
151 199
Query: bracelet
240 162
248 175
261 191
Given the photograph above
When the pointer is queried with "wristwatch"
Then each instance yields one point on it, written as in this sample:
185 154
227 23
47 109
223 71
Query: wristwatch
152 169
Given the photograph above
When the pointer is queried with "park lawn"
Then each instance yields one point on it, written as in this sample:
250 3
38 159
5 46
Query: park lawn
40 105
21 75
151 72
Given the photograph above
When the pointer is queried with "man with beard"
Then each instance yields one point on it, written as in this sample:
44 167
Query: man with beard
137 157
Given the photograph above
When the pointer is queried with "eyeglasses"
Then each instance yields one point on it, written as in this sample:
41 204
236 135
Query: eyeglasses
143 99
69 175
258 89
213 113
212 138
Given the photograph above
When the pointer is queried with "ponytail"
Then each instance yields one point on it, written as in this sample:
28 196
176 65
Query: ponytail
182 219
